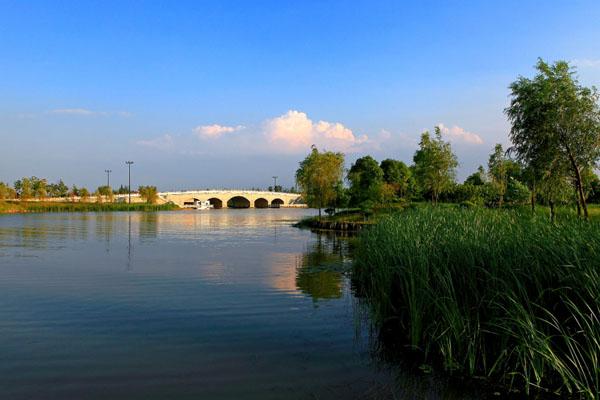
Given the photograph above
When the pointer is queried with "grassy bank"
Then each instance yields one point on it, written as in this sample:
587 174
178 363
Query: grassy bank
39 207
499 294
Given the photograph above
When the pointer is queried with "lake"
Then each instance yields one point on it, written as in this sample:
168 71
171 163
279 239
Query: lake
219 304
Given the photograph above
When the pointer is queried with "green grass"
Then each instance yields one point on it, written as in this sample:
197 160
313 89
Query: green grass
40 207
506 295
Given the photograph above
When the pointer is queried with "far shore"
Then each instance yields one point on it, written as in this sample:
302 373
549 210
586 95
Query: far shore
41 206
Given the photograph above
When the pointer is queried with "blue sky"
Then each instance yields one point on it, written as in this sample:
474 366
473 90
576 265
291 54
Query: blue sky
226 94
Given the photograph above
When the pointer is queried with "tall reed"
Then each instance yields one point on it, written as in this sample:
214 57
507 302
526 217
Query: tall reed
501 294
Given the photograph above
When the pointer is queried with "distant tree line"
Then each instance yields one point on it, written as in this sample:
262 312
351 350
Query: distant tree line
28 188
556 146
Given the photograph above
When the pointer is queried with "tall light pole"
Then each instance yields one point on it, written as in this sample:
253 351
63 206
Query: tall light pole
275 183
129 186
108 171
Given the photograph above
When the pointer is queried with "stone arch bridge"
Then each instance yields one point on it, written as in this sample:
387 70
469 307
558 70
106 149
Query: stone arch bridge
231 198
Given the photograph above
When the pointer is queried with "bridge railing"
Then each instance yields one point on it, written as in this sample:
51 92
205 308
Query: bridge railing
217 191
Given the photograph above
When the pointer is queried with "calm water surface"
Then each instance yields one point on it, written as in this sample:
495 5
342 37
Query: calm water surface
223 304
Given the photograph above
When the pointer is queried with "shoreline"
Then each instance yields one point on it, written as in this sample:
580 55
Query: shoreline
36 207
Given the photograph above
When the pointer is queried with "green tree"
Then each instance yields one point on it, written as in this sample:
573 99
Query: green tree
398 175
58 189
555 120
106 191
122 190
98 196
84 194
74 192
435 164
554 186
6 192
39 187
593 189
366 181
477 178
319 176
24 188
498 172
148 193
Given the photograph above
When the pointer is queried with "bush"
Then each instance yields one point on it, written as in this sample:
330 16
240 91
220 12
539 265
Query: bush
516 193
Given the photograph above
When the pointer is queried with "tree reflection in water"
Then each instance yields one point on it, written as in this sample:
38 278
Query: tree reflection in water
321 269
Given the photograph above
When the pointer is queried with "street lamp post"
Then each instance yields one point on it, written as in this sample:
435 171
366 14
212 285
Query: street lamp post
129 185
108 171
275 183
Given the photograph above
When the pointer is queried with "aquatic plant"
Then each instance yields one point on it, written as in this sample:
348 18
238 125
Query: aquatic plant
497 293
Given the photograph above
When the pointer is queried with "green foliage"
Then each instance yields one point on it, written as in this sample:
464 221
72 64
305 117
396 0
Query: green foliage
496 293
24 188
435 165
366 180
104 190
148 193
555 124
477 178
7 192
517 193
466 192
591 185
319 177
497 167
84 194
122 190
58 189
398 175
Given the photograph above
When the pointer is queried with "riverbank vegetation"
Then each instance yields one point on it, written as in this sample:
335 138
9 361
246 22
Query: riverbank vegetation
34 188
33 194
506 295
555 135
497 277
9 207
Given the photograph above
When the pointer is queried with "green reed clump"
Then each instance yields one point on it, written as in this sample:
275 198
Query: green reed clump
502 294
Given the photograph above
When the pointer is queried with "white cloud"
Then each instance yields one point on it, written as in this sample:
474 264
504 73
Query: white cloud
215 131
85 112
73 111
458 134
164 142
586 63
294 131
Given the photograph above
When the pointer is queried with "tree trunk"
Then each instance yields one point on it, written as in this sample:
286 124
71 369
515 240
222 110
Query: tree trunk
319 210
552 213
533 198
579 183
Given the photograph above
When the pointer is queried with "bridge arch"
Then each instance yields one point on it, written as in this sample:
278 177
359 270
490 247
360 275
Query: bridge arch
238 202
261 202
215 202
276 203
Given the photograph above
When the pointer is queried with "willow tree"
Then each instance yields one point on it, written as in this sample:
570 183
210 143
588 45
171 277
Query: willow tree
435 164
319 176
555 120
